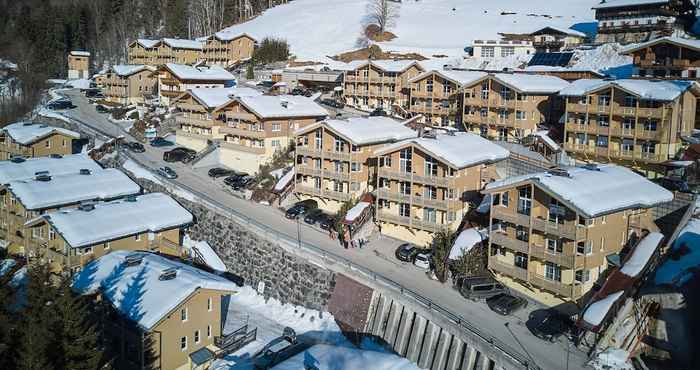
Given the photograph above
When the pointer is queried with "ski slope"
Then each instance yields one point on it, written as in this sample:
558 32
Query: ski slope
319 28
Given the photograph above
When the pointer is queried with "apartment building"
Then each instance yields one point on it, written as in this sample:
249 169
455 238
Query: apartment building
167 315
499 49
634 21
508 107
436 96
552 39
128 84
424 184
638 123
379 83
198 126
30 139
69 239
257 127
554 232
78 65
569 74
165 50
335 158
26 199
666 58
175 79
228 49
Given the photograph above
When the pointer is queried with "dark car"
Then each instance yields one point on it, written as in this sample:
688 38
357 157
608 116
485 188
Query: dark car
241 183
135 147
179 154
267 84
159 141
506 304
220 172
167 172
60 104
406 252
379 112
234 178
326 221
298 91
300 209
101 108
478 287
313 216
333 103
549 324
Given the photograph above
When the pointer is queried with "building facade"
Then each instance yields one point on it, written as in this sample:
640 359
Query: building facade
78 65
368 85
228 50
499 49
555 39
666 58
128 84
30 140
175 79
165 50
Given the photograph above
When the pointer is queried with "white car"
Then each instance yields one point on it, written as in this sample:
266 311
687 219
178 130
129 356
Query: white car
422 260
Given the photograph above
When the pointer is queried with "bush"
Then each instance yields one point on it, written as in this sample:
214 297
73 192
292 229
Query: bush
119 113
134 115
271 50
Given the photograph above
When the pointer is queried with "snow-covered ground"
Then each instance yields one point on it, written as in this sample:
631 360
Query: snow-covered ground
325 357
140 172
678 271
318 28
208 254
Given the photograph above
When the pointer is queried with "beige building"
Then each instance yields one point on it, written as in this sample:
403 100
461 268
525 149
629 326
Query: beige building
175 79
166 315
69 239
424 184
436 96
666 58
165 50
335 158
78 65
379 83
227 49
29 139
552 233
638 123
509 107
554 39
128 84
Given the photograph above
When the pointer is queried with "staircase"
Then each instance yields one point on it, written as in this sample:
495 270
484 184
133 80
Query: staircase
208 150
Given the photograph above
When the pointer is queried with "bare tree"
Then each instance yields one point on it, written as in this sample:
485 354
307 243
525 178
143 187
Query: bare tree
383 13
206 17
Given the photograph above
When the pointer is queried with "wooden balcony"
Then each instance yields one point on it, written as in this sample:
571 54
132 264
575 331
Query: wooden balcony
170 81
410 222
431 110
194 121
556 287
566 230
419 201
507 269
190 107
170 93
505 214
563 259
327 154
448 182
511 243
323 193
318 172
193 135
242 148
256 134
243 116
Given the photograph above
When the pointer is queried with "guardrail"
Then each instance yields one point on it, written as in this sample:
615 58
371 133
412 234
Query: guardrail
280 237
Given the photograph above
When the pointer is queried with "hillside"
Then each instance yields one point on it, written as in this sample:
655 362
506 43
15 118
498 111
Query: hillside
318 28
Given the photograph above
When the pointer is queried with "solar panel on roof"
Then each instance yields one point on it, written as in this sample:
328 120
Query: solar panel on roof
551 59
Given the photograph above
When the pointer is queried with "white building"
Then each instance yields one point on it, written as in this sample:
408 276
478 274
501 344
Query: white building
497 49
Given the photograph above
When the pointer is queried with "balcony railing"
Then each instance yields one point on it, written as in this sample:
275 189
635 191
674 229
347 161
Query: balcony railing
418 200
195 121
317 172
557 287
242 147
408 176
507 269
324 193
318 153
256 134
505 214
511 243
410 222
563 259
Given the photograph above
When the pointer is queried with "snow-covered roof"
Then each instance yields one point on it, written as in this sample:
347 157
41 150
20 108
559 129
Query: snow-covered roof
147 43
151 212
544 135
73 188
596 312
217 96
285 180
693 44
206 252
27 133
183 43
595 191
356 211
228 36
666 90
125 70
279 106
531 83
79 53
461 78
623 3
641 254
387 65
366 130
138 292
27 169
566 31
465 241
458 149
203 73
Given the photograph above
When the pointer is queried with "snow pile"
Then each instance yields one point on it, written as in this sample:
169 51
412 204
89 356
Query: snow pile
641 254
466 240
78 84
6 265
498 64
605 58
596 312
680 267
51 114
325 357
285 180
142 173
611 358
205 250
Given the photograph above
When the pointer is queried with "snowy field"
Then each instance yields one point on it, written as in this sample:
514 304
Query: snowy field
319 28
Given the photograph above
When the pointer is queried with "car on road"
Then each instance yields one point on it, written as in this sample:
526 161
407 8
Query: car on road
406 252
422 260
217 172
478 287
234 178
300 209
167 172
549 324
135 147
241 182
333 103
313 216
326 221
506 304
301 91
101 108
180 154
60 104
379 112
159 142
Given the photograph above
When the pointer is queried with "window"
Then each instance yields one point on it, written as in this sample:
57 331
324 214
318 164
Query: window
64 143
504 199
430 192
502 134
355 167
556 211
319 139
601 141
628 123
604 100
405 188
276 127
503 114
488 52
429 215
209 305
48 143
648 148
583 276
431 166
385 161
183 314
484 112
429 86
338 186
630 101
338 166
355 148
183 343
650 125
52 234
627 145
405 160
520 115
275 143
520 260
522 233
404 210
554 246
137 237
507 51
584 247
484 91
604 121
552 272
524 200
208 331
354 186
196 336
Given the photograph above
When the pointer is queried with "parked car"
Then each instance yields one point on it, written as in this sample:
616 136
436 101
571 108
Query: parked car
234 178
180 154
313 216
333 103
241 183
159 142
326 221
167 172
406 252
299 91
60 104
549 324
101 108
135 147
422 260
220 172
478 287
301 208
506 304
379 112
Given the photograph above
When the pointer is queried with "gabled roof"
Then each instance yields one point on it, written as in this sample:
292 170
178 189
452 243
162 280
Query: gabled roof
565 31
62 190
27 133
282 106
594 192
138 292
214 97
27 169
457 149
386 65
151 212
79 53
664 90
623 3
365 130
693 44
183 43
201 73
147 43
461 78
531 83
228 36
125 70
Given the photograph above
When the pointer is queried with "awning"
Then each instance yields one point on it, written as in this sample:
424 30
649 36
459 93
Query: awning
356 211
465 241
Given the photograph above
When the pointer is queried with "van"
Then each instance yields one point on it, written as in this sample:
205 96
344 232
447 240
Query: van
479 287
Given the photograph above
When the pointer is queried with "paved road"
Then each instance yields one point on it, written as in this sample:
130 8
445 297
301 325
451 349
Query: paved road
376 256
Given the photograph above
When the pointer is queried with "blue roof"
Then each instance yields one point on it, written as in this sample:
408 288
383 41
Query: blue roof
201 356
